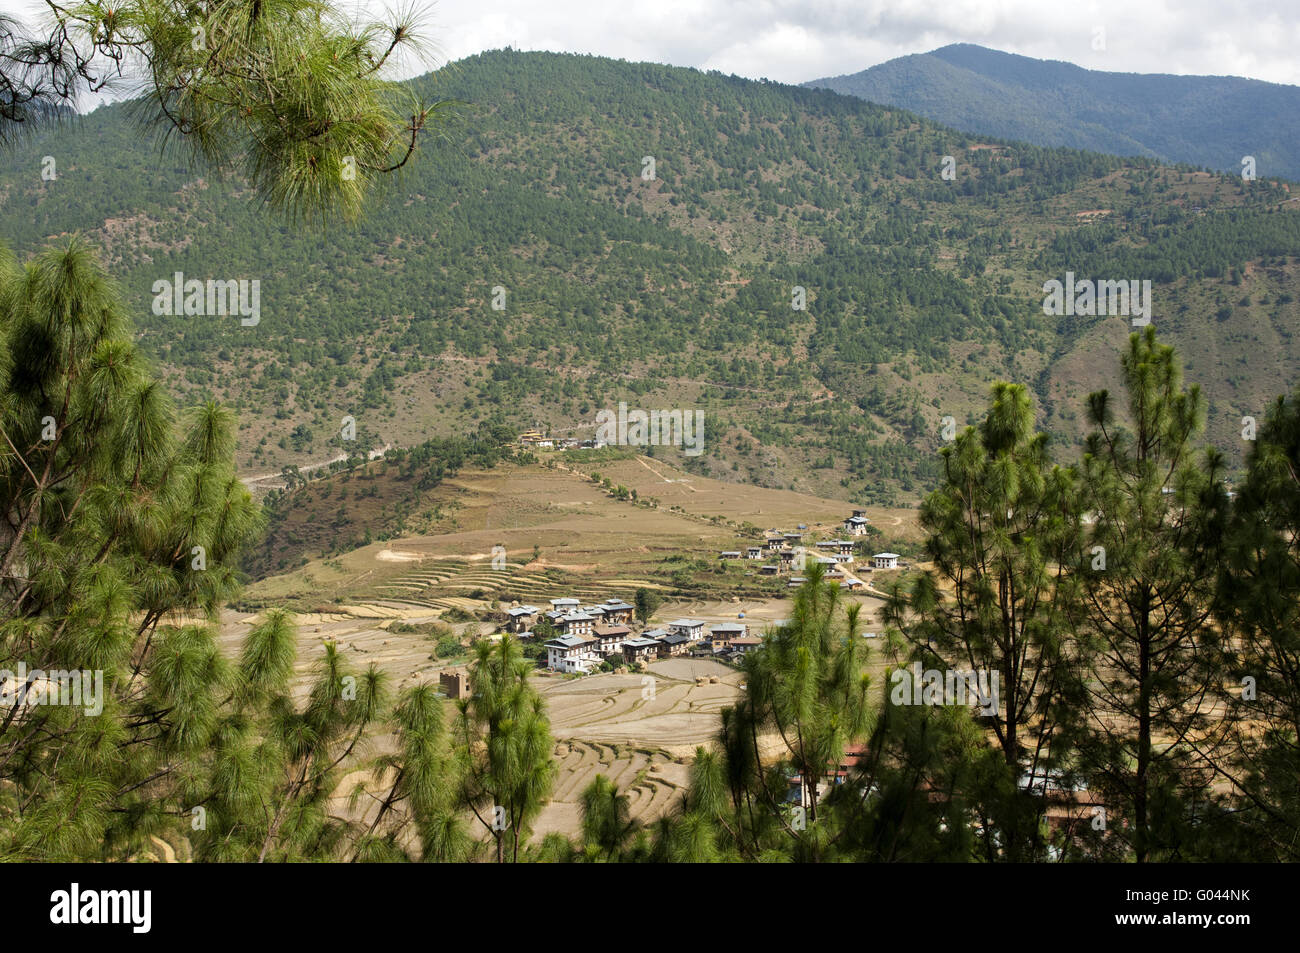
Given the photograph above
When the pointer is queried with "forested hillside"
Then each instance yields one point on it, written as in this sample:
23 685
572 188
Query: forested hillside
677 291
1210 121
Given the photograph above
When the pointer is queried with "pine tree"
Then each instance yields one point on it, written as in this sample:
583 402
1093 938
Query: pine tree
1151 556
1002 529
1259 602
607 825
806 686
291 93
507 773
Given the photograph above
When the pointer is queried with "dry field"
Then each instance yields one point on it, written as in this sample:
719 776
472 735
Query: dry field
578 529
639 732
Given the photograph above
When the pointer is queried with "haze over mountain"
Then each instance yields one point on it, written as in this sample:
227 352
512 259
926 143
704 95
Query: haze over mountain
1210 121
678 290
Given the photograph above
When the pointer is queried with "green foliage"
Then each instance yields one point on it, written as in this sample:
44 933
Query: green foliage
1151 557
615 294
291 93
508 776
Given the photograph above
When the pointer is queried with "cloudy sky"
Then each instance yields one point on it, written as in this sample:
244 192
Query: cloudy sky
796 40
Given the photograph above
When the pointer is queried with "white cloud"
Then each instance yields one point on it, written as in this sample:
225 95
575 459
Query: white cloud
797 40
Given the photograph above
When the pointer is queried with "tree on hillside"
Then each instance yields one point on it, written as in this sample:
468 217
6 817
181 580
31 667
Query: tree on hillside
607 825
1003 530
807 686
118 548
647 602
507 772
421 788
289 92
1259 602
1150 560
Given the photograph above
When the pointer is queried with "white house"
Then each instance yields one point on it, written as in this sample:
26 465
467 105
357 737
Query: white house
575 623
572 653
885 560
840 549
691 628
610 638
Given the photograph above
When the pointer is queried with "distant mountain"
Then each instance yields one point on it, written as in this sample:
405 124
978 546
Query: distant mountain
795 266
1210 121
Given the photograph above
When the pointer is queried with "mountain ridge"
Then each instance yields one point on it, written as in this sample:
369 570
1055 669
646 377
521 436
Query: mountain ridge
1208 121
676 290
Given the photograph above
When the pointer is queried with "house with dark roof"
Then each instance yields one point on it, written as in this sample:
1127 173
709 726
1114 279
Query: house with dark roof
521 618
617 612
678 643
572 654
640 649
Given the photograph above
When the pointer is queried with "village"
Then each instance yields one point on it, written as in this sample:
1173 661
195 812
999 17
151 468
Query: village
581 638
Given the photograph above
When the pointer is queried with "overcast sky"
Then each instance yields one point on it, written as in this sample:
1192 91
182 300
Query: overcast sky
796 40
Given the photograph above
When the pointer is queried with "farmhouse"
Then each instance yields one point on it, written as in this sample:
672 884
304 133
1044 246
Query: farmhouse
754 552
768 570
856 525
640 649
610 638
617 612
574 623
745 643
693 629
521 618
885 560
729 554
566 603
773 543
722 634
675 644
572 653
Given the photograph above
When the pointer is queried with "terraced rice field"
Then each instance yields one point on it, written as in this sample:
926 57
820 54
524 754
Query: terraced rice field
439 583
651 780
